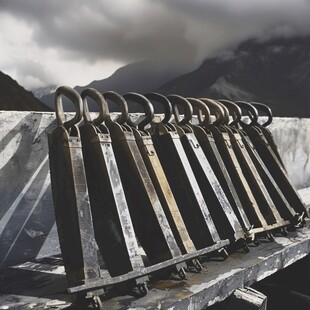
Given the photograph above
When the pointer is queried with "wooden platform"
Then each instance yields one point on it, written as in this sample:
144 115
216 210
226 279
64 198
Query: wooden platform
42 284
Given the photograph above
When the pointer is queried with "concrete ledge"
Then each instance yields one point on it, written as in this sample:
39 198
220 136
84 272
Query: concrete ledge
220 279
42 284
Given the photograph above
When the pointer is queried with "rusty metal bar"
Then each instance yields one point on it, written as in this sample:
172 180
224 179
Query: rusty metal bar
259 190
184 186
255 172
150 222
70 195
226 222
225 147
103 282
160 182
275 167
207 143
114 230
282 205
266 132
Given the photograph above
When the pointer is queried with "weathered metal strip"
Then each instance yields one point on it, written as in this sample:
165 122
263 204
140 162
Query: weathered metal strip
113 226
95 284
207 143
276 169
281 203
259 190
150 222
242 187
256 108
269 138
160 182
184 186
221 212
70 194
72 208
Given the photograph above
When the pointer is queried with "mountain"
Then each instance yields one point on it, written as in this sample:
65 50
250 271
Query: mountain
138 77
44 91
275 72
15 97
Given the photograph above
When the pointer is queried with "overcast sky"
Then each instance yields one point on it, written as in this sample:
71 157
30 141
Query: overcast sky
74 42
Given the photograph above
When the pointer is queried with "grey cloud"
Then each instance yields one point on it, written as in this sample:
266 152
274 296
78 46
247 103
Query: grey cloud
70 26
32 74
180 30
34 69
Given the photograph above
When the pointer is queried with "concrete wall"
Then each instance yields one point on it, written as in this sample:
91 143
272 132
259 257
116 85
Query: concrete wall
27 225
26 212
292 136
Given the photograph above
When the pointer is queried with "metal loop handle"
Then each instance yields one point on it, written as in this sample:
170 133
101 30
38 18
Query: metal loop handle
147 107
234 111
265 109
203 112
121 102
217 108
164 101
226 113
76 99
101 102
188 109
251 111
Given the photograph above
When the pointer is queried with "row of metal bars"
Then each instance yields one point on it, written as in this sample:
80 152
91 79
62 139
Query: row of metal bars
181 190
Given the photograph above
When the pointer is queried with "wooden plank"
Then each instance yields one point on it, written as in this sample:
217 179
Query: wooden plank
243 299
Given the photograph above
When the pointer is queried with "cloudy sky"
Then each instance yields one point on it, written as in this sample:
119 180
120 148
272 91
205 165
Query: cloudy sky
74 42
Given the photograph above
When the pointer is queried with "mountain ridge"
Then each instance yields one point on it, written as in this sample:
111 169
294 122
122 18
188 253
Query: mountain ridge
14 97
140 77
275 72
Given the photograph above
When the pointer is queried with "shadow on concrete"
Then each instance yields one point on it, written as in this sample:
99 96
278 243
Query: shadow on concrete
26 213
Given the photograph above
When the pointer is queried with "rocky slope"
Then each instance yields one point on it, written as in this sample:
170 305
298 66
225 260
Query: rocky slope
15 97
276 72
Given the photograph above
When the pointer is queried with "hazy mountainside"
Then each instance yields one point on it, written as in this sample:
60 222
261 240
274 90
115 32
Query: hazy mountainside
44 91
15 97
138 77
276 72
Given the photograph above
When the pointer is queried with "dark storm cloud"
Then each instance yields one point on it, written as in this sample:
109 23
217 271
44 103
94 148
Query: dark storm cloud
225 23
99 30
127 31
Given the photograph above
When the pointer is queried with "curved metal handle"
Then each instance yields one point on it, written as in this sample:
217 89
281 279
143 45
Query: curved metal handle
217 108
203 111
147 107
226 113
164 101
76 99
234 111
102 104
121 102
265 109
251 111
188 109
